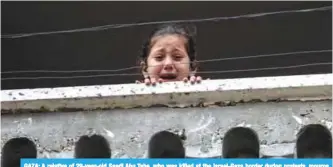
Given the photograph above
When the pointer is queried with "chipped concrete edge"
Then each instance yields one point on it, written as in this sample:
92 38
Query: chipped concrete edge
172 94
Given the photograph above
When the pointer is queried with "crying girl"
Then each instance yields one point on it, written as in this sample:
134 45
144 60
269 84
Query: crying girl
169 54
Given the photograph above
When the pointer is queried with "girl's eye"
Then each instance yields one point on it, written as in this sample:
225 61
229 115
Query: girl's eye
178 57
159 57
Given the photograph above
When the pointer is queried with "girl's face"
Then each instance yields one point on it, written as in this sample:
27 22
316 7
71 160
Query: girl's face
168 58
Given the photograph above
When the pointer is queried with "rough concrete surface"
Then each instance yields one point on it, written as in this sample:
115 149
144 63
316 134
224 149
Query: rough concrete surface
171 94
129 130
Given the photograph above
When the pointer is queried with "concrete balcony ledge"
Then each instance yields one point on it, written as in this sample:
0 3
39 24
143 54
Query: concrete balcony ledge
173 94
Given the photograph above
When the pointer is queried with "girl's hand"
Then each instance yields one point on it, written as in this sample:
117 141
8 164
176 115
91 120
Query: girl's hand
150 81
153 81
193 79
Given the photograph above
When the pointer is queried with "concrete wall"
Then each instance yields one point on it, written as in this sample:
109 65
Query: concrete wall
276 107
128 130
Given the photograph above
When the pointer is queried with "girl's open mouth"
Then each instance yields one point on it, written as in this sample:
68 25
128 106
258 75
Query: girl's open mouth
168 76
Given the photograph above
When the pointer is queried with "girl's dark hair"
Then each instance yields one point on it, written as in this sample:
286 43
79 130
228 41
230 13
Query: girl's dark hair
15 149
172 29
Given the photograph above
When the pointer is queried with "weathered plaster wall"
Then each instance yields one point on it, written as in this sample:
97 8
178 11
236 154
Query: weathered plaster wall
221 104
128 130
